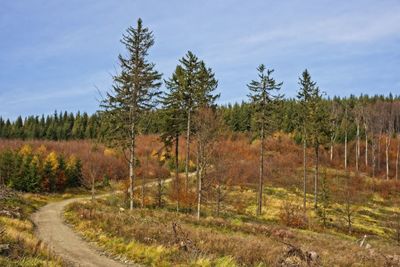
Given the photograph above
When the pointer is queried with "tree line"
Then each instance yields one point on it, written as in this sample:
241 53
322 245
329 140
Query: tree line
237 117
56 127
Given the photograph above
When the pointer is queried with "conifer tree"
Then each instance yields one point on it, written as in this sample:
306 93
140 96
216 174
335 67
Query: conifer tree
264 97
173 120
134 91
190 66
307 86
319 131
193 85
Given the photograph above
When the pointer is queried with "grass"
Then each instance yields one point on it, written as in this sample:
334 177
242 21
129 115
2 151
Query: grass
163 237
147 236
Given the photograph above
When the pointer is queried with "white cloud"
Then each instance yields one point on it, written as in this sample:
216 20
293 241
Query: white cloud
344 29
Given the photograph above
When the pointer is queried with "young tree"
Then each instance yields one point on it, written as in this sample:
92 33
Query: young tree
50 167
74 172
145 175
358 118
397 131
224 169
193 84
375 127
173 120
345 125
93 168
319 132
365 119
187 94
161 175
134 92
322 210
334 127
307 86
389 121
349 196
207 125
263 98
397 156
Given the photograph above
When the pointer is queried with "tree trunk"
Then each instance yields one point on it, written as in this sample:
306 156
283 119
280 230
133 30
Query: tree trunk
373 157
331 151
397 157
187 152
349 227
177 171
379 152
93 181
131 170
218 199
345 140
261 177
144 180
366 148
159 195
387 146
316 176
304 176
199 183
198 168
345 150
199 198
358 147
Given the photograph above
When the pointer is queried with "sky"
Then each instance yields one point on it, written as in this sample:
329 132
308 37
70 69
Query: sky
58 55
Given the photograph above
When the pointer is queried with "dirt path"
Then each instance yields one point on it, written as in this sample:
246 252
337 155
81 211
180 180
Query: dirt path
52 230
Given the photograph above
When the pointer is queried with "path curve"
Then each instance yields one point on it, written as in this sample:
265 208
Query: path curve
61 239
52 230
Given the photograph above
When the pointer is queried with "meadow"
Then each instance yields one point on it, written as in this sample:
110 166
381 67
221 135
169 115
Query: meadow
228 233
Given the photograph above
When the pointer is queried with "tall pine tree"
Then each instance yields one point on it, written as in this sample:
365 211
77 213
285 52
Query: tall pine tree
307 87
134 92
264 97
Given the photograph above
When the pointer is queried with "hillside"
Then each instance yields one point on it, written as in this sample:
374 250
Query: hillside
227 134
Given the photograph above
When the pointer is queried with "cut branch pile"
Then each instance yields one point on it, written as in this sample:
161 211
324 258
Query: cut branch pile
296 257
183 241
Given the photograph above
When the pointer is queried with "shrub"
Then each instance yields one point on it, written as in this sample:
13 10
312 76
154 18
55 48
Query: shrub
292 214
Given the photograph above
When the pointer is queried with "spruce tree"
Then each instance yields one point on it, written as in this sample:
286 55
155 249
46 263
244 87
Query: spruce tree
187 93
134 91
193 85
173 120
307 86
264 97
319 132
324 196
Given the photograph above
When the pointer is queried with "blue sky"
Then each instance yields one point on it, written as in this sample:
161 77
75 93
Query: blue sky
54 54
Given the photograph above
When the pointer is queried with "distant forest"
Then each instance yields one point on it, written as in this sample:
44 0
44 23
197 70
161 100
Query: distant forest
238 118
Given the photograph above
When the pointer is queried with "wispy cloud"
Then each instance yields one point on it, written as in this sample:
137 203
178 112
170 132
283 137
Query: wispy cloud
53 54
343 29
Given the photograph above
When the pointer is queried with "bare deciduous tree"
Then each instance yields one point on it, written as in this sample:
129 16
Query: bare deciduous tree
207 125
